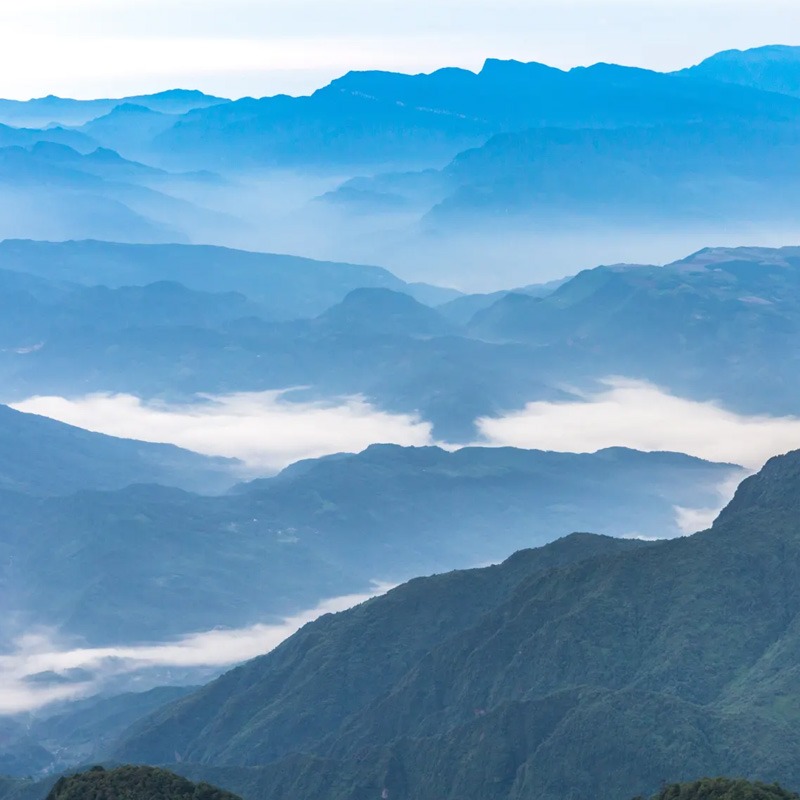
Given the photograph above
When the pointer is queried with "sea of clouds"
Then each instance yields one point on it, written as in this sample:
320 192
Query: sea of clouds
268 431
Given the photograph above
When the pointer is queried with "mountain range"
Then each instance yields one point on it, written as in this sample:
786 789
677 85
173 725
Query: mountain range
591 667
672 325
420 172
371 118
58 192
45 111
612 654
318 530
290 287
446 109
234 321
694 172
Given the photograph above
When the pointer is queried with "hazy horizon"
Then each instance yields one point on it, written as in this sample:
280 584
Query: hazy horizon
242 48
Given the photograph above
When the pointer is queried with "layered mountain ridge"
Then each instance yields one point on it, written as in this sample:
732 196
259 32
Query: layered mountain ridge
255 322
418 171
516 680
323 529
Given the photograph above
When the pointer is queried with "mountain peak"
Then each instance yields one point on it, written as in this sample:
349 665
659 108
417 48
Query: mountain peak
754 54
497 68
772 68
772 492
384 311
131 108
185 94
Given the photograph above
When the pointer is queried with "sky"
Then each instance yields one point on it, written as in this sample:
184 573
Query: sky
94 48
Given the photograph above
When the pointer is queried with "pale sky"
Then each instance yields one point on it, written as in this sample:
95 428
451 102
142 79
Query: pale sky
91 48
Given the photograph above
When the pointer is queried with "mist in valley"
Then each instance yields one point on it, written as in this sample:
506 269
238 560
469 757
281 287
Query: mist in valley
288 212
40 668
269 431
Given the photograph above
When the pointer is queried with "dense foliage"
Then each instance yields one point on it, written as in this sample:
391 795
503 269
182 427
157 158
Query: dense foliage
595 676
133 783
724 789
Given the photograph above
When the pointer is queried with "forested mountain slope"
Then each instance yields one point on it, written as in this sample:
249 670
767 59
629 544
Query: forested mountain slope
564 670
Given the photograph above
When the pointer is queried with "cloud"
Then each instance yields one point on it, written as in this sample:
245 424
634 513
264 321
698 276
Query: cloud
263 429
267 431
692 520
38 672
642 416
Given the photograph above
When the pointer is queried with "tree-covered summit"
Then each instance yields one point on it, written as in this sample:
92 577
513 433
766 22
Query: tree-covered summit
724 789
133 783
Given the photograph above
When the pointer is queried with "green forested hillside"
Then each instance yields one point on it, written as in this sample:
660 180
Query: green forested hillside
601 676
292 698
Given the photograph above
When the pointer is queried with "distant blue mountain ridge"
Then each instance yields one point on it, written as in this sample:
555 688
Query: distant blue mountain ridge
373 117
462 153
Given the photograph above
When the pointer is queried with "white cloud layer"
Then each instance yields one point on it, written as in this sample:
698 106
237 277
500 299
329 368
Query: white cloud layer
39 654
267 431
640 415
263 429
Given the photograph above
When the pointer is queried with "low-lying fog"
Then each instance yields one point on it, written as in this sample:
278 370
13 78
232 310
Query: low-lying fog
41 669
286 213
265 430
282 213
268 431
